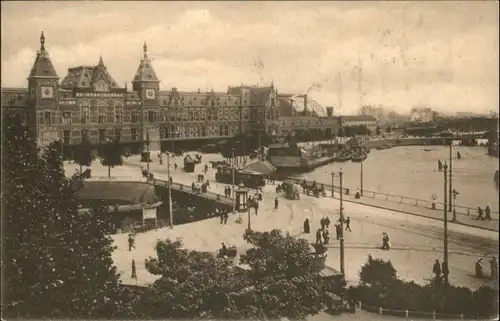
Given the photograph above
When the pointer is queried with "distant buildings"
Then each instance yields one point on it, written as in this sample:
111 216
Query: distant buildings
369 122
88 102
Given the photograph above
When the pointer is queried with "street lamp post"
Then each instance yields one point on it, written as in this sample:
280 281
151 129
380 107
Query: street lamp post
147 151
450 187
445 169
171 217
333 188
249 224
361 172
455 194
342 271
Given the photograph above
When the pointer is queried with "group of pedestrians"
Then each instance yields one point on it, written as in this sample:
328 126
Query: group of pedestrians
223 215
487 212
441 272
323 233
227 191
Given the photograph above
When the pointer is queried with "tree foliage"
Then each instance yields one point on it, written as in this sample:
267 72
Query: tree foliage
111 155
377 271
56 262
83 153
282 280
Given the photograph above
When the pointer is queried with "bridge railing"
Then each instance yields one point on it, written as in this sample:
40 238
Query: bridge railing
459 209
188 188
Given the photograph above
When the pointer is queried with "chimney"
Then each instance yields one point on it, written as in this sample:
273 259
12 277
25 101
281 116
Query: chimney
305 105
329 111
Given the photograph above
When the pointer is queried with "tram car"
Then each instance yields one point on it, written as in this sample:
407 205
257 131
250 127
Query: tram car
189 164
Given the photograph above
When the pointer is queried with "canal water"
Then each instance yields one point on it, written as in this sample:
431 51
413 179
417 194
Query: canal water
411 171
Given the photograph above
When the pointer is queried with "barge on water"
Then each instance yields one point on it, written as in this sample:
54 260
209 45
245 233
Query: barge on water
293 158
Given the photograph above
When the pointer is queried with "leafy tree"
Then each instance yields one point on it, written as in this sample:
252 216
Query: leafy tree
112 155
83 153
388 129
56 262
377 130
377 271
282 280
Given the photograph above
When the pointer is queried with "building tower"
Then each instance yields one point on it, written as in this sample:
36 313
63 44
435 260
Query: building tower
43 86
147 85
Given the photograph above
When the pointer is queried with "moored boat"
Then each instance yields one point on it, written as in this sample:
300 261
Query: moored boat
343 157
359 157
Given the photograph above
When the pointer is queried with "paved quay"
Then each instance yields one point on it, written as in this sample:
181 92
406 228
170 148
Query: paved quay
417 241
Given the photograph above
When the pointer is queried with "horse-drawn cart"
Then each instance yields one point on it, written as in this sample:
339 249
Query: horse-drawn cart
289 189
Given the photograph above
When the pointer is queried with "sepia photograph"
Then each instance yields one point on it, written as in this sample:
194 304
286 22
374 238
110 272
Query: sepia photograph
250 160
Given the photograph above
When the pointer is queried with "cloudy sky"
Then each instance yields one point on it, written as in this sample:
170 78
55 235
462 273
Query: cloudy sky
440 55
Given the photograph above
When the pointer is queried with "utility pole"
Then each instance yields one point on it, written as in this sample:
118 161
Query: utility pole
362 156
169 193
333 182
455 193
147 151
445 261
342 271
450 188
249 224
234 198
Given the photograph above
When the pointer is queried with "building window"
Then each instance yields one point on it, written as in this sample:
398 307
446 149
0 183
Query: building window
118 118
118 134
48 120
102 135
135 117
133 134
85 115
66 118
66 137
152 116
102 117
85 133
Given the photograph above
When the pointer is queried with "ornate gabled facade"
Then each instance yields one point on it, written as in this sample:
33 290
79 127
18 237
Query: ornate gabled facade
89 102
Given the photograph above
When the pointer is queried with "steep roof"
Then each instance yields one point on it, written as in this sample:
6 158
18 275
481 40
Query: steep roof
145 71
43 65
260 95
86 76
197 99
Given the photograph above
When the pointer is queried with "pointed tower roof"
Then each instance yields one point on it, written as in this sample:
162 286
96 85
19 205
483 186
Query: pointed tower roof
145 72
43 66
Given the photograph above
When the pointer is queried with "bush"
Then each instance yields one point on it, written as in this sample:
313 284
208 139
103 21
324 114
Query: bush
377 271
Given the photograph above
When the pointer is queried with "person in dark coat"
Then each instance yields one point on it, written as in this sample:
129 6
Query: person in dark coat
226 216
322 222
221 215
318 237
436 269
327 222
348 224
276 203
307 227
131 242
494 269
487 211
480 214
337 231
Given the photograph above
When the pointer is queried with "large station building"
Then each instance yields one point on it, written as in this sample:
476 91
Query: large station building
89 102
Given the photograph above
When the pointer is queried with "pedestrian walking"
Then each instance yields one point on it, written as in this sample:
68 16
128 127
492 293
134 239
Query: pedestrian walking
480 214
326 236
318 237
226 216
487 211
322 222
276 203
436 269
307 227
327 222
134 272
221 216
175 166
131 242
338 230
348 224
